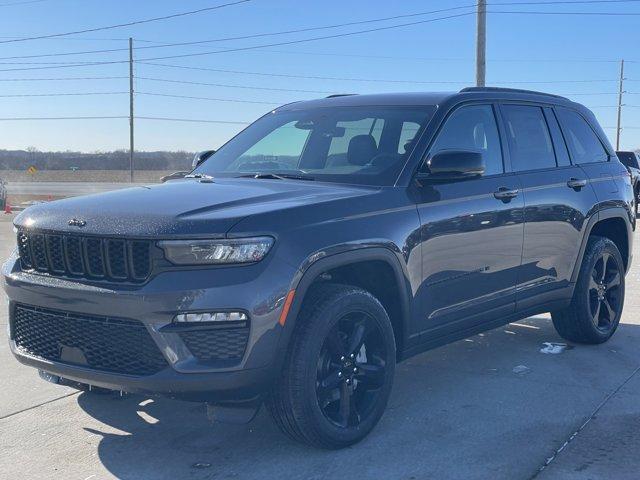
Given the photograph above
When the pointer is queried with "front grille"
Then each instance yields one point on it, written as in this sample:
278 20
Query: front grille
101 343
110 259
218 344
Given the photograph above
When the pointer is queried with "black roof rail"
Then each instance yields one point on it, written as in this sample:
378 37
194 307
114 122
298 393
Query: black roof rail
509 90
334 95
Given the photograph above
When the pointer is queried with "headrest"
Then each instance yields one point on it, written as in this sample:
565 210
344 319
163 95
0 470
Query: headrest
362 148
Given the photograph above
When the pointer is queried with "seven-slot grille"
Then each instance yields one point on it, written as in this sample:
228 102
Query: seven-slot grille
111 259
107 344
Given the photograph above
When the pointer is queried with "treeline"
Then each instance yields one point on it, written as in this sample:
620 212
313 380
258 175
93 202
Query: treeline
116 160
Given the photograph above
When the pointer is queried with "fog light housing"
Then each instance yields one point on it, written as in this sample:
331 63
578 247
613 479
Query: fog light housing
209 317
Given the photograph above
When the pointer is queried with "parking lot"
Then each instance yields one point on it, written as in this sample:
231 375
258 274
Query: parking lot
492 406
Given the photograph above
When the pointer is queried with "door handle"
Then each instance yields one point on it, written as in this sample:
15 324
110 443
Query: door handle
506 194
576 183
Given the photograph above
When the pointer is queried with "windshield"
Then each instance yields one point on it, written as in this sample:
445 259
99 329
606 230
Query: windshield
365 145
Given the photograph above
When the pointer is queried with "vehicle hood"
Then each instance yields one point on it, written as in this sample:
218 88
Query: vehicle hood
190 207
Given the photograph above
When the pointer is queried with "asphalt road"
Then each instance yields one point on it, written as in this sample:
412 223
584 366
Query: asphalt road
458 412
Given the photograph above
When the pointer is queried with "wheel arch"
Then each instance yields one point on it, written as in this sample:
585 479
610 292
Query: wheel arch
355 268
613 223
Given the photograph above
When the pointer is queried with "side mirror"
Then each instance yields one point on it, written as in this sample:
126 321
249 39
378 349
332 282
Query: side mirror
201 157
452 165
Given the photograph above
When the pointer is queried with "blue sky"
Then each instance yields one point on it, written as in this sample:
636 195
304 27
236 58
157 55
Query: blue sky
520 49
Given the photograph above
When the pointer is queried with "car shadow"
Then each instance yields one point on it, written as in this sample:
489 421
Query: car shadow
491 405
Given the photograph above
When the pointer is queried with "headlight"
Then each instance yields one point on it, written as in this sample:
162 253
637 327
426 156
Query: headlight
216 252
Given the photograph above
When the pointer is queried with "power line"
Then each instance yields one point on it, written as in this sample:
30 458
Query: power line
360 79
187 82
311 77
115 62
291 42
128 24
21 3
193 120
312 39
7 119
19 95
563 2
207 98
246 37
58 79
602 14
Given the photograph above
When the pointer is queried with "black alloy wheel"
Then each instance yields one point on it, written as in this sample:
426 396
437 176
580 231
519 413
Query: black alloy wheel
598 296
338 373
351 370
605 292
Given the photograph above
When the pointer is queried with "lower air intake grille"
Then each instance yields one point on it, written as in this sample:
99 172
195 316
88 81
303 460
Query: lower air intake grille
217 344
101 343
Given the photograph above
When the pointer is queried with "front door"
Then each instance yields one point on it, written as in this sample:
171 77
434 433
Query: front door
471 233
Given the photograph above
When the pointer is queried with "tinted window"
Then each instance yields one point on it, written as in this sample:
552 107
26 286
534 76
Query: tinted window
584 145
560 146
628 159
357 144
281 147
472 128
529 139
407 136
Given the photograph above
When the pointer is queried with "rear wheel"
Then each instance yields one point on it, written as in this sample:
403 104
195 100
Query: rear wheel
596 308
339 371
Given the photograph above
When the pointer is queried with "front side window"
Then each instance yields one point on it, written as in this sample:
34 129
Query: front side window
584 145
529 139
472 128
359 144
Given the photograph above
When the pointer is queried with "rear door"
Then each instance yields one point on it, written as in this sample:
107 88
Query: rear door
587 151
557 197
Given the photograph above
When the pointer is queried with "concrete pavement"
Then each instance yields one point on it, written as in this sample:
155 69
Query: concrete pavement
456 412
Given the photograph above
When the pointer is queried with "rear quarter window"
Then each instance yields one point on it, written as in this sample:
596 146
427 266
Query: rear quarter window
583 143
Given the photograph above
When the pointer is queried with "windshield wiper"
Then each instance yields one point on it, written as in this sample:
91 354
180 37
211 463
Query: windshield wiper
277 176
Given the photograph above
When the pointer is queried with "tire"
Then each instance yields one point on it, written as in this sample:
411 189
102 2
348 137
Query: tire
594 313
339 369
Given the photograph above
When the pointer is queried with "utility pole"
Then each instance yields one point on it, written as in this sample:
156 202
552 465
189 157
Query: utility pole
131 109
620 92
481 43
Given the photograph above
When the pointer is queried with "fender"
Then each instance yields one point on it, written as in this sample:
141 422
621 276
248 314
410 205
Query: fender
613 212
306 277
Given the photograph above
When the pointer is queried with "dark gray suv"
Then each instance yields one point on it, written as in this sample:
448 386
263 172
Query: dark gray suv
324 243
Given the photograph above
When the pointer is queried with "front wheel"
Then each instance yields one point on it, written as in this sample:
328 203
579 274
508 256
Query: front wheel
339 371
598 298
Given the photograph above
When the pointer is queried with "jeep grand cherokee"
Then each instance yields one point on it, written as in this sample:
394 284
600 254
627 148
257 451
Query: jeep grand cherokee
326 242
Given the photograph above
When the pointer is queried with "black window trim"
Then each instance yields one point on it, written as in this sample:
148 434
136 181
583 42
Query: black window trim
541 106
595 133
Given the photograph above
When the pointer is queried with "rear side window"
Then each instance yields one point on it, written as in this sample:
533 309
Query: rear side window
472 128
584 145
529 138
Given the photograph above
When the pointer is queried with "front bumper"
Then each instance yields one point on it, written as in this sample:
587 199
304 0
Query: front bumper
258 289
229 386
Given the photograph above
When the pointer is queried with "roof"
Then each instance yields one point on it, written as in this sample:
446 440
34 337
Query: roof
425 98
